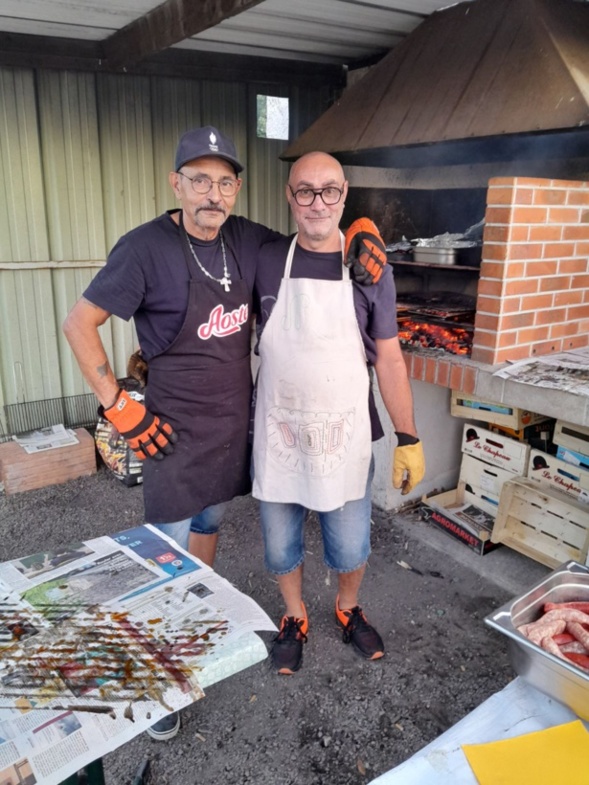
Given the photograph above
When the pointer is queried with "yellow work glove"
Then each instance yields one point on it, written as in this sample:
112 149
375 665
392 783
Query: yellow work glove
408 464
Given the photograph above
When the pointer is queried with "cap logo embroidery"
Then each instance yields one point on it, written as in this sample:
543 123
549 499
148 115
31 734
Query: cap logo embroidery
213 146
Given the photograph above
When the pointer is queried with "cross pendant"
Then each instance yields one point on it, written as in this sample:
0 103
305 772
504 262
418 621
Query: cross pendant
225 283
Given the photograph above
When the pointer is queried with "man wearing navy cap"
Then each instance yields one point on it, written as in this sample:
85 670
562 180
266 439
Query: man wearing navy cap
187 278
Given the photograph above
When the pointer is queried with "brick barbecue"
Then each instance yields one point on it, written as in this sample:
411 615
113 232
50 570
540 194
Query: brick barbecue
533 290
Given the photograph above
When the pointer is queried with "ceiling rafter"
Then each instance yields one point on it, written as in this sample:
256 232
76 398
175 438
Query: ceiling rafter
167 24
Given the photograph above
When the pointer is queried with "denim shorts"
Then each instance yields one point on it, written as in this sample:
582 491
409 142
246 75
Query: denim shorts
345 532
206 522
209 520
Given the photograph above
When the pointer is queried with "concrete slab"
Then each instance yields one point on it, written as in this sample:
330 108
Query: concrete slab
503 567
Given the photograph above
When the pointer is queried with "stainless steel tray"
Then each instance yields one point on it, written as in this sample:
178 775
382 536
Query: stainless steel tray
431 255
551 675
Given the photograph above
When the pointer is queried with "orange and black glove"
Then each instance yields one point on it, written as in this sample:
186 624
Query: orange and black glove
408 463
145 434
364 252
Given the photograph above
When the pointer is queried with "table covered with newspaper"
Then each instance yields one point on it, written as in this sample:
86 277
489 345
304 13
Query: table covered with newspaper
102 638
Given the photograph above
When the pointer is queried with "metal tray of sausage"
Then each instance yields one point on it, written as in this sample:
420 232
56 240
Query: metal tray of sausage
563 681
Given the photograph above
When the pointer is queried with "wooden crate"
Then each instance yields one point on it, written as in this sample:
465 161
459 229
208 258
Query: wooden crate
550 472
575 437
20 471
496 449
541 523
484 479
472 408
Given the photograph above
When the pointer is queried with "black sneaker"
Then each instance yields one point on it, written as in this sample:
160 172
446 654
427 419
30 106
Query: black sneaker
363 637
287 650
165 728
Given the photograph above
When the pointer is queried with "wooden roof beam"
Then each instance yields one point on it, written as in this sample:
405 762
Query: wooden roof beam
167 24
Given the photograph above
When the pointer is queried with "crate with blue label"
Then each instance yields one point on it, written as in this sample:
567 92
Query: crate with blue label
572 442
572 457
472 408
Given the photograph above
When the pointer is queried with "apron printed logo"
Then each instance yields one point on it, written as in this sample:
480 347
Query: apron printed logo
221 324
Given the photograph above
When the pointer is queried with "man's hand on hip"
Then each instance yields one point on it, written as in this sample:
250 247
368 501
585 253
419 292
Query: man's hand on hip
364 252
145 434
408 464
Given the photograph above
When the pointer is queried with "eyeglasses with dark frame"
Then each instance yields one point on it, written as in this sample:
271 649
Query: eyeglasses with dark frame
305 197
201 184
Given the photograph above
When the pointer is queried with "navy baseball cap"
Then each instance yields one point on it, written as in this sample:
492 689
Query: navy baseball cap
205 142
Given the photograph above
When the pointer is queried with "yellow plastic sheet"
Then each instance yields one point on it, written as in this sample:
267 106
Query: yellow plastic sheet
546 757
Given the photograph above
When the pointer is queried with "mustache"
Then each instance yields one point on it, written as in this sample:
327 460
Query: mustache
211 208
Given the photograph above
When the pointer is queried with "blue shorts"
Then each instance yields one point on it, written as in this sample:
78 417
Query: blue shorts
206 522
345 532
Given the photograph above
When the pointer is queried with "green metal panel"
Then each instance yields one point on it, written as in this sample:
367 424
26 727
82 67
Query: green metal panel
267 173
126 152
29 359
225 106
176 108
71 164
23 226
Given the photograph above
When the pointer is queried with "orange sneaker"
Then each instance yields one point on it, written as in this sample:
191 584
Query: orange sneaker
357 631
287 649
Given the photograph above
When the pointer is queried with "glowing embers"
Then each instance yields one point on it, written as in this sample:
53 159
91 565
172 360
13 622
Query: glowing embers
437 335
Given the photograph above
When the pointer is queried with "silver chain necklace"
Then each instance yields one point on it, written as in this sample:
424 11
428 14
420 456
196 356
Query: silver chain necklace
225 281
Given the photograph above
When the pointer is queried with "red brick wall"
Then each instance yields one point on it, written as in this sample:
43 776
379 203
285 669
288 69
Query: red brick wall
533 295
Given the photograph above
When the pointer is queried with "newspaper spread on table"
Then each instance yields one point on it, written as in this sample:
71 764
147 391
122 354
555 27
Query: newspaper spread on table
568 371
102 638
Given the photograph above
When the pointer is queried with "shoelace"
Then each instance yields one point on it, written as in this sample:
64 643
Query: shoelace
291 630
356 621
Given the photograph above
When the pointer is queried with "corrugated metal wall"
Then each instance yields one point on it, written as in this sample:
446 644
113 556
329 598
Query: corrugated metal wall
83 159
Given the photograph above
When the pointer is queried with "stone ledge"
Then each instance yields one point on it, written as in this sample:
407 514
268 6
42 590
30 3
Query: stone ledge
466 375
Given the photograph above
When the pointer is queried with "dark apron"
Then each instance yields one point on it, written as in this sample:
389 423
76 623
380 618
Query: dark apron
202 386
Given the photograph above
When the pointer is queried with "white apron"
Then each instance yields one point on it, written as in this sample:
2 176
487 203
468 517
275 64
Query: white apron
312 434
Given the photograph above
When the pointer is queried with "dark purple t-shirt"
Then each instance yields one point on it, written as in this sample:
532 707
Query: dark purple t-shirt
375 306
146 276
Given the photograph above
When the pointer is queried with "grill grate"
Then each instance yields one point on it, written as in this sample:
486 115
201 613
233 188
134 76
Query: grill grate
74 411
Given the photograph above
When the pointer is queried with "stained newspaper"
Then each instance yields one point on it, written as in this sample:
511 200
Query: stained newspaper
102 638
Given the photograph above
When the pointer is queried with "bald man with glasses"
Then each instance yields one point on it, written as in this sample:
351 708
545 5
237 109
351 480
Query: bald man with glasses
319 337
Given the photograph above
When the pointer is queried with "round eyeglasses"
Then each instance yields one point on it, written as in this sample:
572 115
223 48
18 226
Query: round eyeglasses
306 196
201 184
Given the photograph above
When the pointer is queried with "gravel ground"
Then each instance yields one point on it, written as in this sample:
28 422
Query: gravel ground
340 720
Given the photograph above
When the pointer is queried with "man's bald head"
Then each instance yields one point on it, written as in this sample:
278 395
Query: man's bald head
316 192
